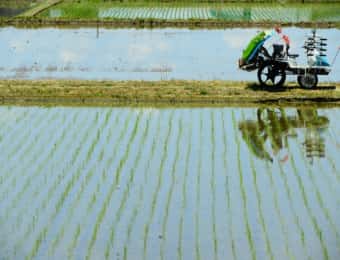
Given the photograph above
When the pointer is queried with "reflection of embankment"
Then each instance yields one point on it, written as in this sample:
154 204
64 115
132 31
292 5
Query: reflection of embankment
269 134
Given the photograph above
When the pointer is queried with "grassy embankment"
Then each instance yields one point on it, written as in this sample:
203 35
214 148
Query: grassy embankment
180 13
160 92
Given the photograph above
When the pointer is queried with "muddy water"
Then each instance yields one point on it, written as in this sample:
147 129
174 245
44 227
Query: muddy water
123 54
146 183
10 12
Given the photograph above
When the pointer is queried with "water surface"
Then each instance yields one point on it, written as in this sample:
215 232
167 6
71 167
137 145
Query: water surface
147 183
132 54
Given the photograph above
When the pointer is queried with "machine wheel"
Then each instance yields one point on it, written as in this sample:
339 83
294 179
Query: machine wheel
308 80
270 75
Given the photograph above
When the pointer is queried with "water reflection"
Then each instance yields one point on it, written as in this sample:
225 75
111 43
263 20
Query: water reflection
268 135
131 54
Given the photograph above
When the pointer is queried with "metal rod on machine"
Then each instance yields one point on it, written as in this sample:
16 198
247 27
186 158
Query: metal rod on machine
335 56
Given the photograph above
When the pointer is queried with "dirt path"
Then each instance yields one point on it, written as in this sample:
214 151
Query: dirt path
31 21
161 93
40 8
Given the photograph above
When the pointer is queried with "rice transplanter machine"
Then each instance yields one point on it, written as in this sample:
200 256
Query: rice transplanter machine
273 68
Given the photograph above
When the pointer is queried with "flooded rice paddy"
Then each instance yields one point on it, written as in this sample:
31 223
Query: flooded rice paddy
228 12
132 54
148 183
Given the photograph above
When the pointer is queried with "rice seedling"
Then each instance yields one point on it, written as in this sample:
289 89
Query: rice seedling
39 172
227 186
315 225
198 193
126 192
321 203
158 186
27 182
171 188
243 193
112 188
212 182
141 193
64 195
83 185
132 173
184 195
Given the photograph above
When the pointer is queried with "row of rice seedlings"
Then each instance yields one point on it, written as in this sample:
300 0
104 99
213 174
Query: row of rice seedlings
38 173
60 202
39 208
48 144
158 185
11 144
259 201
117 145
242 190
82 167
292 210
184 193
57 206
296 221
333 139
261 13
127 191
218 12
118 171
280 217
198 190
58 237
311 175
100 158
212 183
137 163
7 126
316 228
305 202
82 185
23 151
283 176
18 135
171 188
321 203
113 186
269 250
141 192
227 187
17 145
9 180
87 178
331 178
26 183
73 154
156 12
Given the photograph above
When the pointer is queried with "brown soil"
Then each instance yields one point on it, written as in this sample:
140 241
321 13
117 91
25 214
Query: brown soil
154 23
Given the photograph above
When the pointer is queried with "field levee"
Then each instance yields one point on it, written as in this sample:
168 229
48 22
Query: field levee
173 92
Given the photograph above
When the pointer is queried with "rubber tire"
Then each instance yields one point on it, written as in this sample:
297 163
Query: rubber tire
264 83
301 81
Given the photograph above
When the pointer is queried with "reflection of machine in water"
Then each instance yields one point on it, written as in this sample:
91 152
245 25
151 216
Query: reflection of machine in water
274 126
